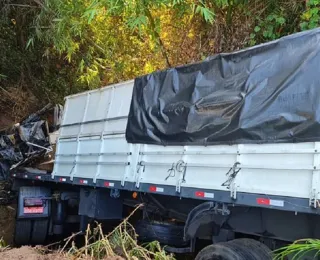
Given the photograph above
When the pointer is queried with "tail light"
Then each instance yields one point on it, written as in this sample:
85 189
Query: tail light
33 206
33 202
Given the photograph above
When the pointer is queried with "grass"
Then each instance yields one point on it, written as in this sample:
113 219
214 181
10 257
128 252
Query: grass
3 244
122 241
298 249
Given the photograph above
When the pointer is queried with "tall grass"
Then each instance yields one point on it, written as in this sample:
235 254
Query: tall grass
122 241
3 244
299 249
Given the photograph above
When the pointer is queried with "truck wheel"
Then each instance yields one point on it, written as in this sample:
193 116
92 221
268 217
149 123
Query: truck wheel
255 249
22 232
220 251
39 231
165 233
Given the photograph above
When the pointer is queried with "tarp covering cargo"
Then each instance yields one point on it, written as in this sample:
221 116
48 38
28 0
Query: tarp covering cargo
265 94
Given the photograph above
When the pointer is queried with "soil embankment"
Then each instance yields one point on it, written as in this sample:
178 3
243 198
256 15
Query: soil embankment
29 253
7 223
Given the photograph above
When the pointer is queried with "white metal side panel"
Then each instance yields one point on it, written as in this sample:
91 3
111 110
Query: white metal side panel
274 169
92 142
279 169
157 164
92 145
65 157
207 166
115 158
102 111
75 108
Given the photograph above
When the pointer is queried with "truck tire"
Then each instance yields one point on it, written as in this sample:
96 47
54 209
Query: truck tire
166 234
22 232
220 251
254 248
39 231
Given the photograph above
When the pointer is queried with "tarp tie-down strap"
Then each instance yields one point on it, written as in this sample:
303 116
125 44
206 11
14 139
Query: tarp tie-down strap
231 174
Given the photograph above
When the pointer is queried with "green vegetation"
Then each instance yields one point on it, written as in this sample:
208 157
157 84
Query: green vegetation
299 249
122 241
3 244
52 48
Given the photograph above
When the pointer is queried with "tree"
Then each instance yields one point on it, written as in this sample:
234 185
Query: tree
75 45
85 33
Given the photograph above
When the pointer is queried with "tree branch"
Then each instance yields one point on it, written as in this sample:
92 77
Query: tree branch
156 34
21 5
38 2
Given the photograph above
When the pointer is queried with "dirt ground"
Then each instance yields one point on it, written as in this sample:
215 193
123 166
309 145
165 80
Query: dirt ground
7 223
7 226
29 253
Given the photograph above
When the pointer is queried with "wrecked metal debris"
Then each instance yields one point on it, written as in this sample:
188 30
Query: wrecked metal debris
27 144
4 169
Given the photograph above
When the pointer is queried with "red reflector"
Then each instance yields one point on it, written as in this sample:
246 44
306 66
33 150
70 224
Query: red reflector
153 188
108 184
33 210
199 194
263 201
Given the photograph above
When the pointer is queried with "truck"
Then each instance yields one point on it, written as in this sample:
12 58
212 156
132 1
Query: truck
225 151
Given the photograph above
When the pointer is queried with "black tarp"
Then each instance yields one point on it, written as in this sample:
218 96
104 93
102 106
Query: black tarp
265 94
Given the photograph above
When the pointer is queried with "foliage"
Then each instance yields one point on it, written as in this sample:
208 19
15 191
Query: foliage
280 20
77 31
53 48
311 17
299 249
83 32
270 28
3 244
28 72
122 241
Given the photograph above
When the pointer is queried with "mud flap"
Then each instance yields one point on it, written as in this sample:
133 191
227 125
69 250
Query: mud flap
98 204
33 202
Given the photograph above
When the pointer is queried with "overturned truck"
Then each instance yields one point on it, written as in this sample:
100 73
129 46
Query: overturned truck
225 150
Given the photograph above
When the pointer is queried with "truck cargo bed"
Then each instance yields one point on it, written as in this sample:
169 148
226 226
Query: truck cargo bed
92 149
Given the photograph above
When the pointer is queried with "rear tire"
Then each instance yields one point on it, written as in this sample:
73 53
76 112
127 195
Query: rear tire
220 251
22 233
39 231
253 248
238 249
166 234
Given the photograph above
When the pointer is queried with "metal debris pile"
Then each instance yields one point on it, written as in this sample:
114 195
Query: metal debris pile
31 142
